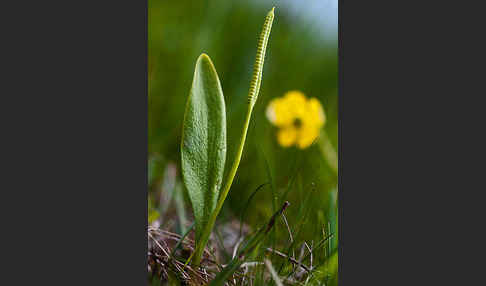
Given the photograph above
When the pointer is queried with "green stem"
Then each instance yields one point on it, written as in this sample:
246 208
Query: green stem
252 97
328 151
209 226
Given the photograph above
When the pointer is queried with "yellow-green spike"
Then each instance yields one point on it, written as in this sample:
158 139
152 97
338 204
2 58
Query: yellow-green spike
260 58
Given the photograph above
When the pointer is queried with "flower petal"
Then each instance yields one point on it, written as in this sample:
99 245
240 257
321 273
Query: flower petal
315 108
287 136
279 112
271 112
306 136
296 102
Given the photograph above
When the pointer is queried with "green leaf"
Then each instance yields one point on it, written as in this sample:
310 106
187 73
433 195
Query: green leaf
204 141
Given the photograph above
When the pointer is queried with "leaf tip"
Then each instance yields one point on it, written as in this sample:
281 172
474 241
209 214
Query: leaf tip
204 57
205 60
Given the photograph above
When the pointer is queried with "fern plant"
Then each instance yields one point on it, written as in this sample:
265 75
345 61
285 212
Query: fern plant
203 146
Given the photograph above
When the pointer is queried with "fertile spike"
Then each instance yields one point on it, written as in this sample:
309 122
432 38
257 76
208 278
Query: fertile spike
260 57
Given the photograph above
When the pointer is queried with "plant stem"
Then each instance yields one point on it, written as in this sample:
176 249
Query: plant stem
252 96
328 151
209 226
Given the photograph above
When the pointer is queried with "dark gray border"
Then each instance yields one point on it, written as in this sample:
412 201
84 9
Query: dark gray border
75 164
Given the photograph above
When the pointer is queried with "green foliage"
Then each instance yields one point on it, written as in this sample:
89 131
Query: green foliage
153 214
204 139
203 148
299 57
326 274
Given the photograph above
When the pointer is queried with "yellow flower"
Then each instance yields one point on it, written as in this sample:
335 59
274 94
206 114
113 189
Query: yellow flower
299 119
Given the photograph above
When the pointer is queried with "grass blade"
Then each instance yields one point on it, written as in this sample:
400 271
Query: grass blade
273 273
247 204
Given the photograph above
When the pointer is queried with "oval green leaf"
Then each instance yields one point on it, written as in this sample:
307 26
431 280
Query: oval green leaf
203 148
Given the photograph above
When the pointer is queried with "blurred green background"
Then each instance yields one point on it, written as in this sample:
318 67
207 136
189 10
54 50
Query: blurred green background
302 55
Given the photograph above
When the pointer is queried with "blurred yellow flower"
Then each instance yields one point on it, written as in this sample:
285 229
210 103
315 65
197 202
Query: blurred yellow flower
299 119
